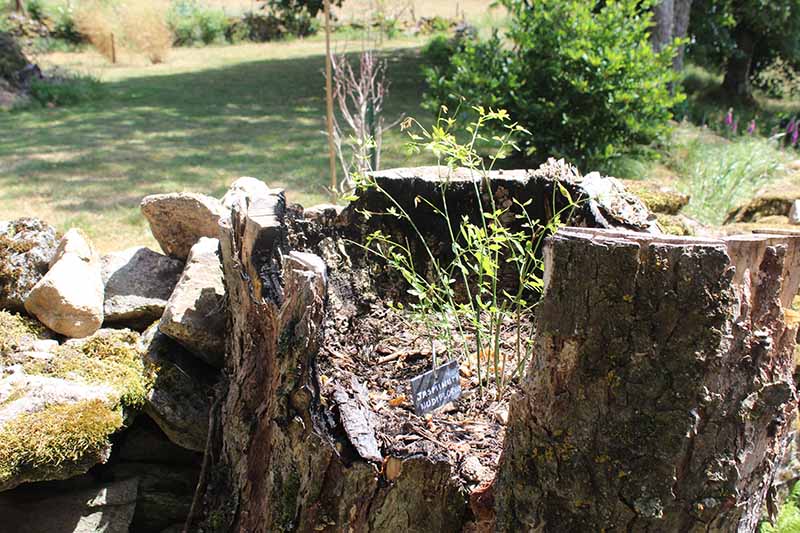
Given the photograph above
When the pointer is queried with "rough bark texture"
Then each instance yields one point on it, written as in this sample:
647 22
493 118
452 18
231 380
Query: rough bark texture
663 24
659 399
680 29
670 22
737 71
661 394
286 461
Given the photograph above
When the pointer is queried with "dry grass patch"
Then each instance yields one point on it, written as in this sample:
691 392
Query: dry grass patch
134 26
146 30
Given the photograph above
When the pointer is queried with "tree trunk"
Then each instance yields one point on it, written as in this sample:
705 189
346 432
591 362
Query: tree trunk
670 22
663 19
680 29
737 72
661 395
19 6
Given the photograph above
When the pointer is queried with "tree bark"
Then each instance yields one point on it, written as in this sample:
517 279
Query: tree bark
737 72
680 29
670 22
664 22
661 395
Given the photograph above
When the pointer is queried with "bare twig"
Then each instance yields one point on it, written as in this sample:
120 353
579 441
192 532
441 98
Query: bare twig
359 95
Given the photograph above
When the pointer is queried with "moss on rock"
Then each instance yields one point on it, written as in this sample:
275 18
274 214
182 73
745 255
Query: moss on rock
58 440
57 413
658 199
17 332
109 357
776 200
674 225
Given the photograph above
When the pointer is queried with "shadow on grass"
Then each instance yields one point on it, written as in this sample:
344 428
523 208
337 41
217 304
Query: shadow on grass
188 131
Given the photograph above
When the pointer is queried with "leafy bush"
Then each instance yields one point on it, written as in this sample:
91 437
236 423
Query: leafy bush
299 23
581 75
35 10
65 26
192 23
438 51
256 27
66 90
478 73
779 79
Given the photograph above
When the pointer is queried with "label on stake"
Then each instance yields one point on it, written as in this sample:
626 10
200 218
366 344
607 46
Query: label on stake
436 388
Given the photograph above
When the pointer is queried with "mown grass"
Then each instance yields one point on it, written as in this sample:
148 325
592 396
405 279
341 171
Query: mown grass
196 123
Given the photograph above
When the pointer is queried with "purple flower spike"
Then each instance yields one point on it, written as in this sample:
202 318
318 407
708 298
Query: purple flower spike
729 117
795 135
751 128
735 127
791 127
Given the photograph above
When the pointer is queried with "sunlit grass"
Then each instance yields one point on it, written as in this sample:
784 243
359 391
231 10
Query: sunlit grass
719 174
196 123
788 520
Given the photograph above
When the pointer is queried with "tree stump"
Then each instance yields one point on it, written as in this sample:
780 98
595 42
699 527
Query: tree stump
289 459
661 395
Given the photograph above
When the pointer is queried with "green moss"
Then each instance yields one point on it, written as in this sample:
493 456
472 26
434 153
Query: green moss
110 358
17 330
760 207
56 436
658 200
673 225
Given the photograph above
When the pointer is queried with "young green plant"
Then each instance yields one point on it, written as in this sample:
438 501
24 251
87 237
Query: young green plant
502 238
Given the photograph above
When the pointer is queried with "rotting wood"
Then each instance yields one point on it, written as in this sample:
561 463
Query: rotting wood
291 460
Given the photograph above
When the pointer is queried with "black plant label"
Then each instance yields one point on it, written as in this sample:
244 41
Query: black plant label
436 388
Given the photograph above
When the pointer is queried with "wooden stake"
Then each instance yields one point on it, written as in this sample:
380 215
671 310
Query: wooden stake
329 98
113 51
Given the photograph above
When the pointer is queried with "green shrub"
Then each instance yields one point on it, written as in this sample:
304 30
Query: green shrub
478 73
438 51
256 27
193 23
65 26
299 23
36 10
580 75
66 90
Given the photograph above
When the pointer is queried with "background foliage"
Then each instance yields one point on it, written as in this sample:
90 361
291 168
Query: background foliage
581 76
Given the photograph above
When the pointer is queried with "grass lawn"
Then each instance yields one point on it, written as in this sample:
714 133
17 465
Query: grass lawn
196 123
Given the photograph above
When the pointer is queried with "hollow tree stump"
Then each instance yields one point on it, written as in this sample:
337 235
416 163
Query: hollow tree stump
289 459
660 396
